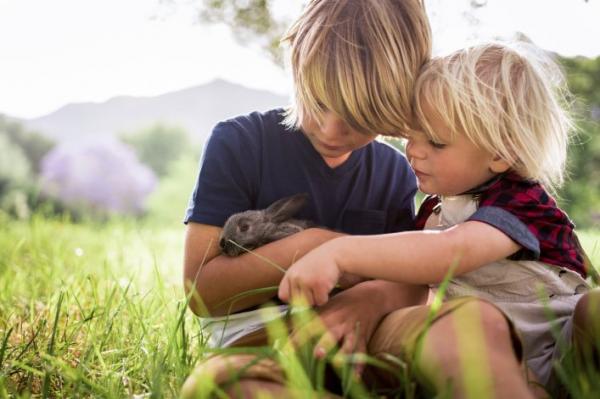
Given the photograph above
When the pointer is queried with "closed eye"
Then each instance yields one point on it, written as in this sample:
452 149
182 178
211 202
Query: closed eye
436 145
244 227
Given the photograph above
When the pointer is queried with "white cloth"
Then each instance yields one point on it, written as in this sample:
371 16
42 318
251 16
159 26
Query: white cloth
225 330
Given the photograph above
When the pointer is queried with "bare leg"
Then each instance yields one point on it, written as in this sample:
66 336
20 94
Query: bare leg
473 361
586 327
252 388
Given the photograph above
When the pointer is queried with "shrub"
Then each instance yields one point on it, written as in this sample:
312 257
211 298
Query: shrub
103 177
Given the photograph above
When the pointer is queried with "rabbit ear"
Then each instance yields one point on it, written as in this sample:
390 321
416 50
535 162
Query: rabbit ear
283 209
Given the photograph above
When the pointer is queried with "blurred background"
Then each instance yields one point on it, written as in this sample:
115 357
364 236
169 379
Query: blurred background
105 104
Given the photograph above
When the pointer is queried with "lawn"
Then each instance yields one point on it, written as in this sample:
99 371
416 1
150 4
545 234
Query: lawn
97 310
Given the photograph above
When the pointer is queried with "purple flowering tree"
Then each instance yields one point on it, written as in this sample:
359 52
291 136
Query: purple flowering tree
105 176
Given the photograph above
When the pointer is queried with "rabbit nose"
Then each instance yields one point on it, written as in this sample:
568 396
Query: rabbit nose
222 243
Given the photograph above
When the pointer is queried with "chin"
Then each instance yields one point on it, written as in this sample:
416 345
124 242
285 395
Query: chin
424 189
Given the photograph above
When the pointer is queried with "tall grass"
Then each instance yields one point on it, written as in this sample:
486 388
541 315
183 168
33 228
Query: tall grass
93 311
97 310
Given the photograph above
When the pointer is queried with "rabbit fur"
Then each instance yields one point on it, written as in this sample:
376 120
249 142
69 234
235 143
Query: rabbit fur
254 228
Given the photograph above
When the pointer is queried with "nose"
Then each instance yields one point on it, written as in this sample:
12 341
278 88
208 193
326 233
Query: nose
222 243
333 127
415 149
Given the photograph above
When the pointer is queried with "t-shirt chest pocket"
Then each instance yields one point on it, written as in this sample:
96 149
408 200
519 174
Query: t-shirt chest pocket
364 221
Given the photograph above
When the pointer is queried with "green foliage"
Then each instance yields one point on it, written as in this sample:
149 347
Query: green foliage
15 175
249 20
14 166
167 204
581 195
22 151
584 78
33 145
159 146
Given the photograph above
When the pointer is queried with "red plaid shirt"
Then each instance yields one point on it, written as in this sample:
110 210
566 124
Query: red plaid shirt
536 210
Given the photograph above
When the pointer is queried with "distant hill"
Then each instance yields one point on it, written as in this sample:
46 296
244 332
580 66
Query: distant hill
196 109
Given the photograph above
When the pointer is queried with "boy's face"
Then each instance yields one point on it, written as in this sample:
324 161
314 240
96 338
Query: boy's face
334 139
448 167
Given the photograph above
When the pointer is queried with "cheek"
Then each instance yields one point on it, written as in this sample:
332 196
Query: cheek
309 125
408 148
361 140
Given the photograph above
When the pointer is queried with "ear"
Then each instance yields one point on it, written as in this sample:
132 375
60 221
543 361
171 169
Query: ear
285 208
498 165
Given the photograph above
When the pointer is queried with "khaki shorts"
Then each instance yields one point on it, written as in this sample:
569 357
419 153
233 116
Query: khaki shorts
398 335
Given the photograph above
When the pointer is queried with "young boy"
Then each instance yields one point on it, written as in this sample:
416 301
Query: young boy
354 64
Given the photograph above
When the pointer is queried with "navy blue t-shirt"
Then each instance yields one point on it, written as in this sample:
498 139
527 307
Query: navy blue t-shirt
251 161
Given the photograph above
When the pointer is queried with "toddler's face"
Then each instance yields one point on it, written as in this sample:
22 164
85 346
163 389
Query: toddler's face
450 166
334 139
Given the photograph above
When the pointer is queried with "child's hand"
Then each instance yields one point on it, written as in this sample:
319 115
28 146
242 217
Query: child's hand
311 278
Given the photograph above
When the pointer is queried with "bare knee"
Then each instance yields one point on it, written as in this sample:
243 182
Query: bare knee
494 324
475 327
585 316
251 388
480 315
472 342
586 325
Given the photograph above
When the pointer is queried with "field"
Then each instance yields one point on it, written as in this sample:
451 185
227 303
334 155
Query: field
97 310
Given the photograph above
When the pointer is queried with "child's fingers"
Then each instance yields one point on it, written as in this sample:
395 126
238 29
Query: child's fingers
349 345
300 294
325 344
284 289
321 296
354 345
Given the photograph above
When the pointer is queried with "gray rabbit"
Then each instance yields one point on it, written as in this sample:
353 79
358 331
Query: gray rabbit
254 228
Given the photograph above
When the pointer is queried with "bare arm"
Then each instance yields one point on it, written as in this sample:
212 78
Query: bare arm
421 257
217 278
414 257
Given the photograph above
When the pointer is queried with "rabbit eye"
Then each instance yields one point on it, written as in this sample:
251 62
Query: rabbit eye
244 227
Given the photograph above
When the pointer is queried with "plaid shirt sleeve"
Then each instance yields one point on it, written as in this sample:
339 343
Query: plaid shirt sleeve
525 212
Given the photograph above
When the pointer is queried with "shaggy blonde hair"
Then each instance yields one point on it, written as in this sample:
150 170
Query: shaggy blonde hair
507 99
358 59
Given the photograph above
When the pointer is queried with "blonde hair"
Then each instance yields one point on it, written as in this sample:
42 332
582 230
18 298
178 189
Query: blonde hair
507 99
360 60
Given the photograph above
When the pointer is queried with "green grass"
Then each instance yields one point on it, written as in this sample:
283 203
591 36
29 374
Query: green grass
97 310
93 310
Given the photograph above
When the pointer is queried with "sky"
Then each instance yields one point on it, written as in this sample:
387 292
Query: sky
65 51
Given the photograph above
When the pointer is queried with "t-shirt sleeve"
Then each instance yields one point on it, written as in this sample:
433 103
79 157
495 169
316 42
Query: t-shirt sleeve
227 176
522 216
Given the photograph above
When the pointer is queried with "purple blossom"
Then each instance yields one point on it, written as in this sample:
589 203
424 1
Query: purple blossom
105 175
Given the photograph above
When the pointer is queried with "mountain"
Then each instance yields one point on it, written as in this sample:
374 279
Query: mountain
196 109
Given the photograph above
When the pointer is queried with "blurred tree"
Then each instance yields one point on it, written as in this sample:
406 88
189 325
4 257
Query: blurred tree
33 145
159 146
15 179
14 165
581 195
167 203
103 177
249 20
